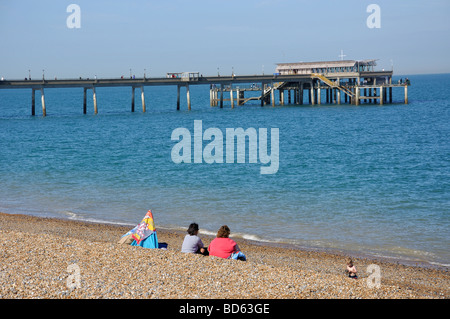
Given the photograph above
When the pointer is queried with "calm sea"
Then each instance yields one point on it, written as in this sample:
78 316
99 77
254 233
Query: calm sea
368 179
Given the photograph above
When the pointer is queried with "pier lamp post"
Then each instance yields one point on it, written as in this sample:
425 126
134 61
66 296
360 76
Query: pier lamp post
130 73
218 74
43 74
145 70
29 74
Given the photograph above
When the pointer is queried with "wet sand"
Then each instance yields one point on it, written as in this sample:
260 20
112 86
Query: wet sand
59 259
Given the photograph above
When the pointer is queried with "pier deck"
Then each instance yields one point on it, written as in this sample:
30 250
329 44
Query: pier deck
335 84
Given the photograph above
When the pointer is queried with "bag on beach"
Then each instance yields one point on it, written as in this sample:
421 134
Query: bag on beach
238 256
144 234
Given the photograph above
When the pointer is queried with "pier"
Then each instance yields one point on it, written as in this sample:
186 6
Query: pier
329 82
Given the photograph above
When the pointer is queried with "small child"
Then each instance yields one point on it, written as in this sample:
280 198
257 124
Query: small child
351 269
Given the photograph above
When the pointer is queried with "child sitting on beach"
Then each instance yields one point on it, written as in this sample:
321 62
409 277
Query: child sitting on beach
192 243
351 269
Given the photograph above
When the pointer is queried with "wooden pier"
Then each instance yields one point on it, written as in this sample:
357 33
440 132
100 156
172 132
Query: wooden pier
341 83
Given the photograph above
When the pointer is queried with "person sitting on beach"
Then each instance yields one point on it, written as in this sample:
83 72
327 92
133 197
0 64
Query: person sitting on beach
351 269
192 243
224 247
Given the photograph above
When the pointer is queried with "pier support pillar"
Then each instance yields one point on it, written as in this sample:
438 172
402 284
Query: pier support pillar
357 96
188 97
178 97
238 97
216 97
381 95
301 94
390 94
231 97
132 98
84 100
338 96
210 97
318 96
262 94
289 96
221 96
311 92
281 97
272 95
406 94
33 103
44 112
94 97
143 99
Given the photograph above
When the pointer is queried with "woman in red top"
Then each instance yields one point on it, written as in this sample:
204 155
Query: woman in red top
222 246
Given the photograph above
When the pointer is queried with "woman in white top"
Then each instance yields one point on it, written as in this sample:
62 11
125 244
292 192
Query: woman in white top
192 243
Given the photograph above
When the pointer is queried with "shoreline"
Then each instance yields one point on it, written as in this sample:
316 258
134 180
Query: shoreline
404 260
46 246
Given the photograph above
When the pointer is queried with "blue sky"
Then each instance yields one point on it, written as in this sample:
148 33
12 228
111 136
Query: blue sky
248 36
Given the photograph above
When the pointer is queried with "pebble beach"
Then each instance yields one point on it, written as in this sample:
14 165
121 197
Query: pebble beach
65 259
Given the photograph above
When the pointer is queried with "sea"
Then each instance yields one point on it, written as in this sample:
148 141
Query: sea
366 180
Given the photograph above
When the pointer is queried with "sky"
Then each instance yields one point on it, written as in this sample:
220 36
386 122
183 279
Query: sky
211 37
